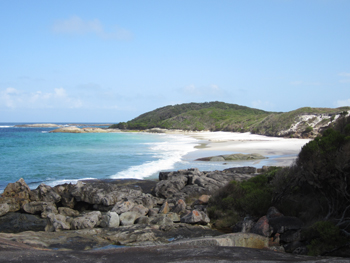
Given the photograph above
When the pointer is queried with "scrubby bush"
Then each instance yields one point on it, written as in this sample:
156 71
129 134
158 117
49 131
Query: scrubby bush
325 237
237 199
309 129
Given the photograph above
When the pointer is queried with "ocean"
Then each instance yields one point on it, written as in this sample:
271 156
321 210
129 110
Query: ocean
38 156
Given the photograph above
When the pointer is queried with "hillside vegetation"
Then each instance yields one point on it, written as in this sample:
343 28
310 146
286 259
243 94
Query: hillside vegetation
220 116
316 189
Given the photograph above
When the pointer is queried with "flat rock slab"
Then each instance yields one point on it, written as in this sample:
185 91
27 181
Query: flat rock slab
232 157
145 185
10 252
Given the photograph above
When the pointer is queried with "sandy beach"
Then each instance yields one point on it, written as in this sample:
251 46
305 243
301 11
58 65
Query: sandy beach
280 151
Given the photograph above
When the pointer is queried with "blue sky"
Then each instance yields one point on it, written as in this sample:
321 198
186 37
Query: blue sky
110 61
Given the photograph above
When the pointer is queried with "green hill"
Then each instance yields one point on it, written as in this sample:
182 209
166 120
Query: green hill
220 116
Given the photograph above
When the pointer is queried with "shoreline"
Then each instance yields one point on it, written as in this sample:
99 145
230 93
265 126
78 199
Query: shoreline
280 151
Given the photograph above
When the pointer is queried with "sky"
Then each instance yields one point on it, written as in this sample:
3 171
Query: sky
110 61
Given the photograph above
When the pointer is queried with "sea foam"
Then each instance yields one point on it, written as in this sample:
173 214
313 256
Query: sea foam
166 155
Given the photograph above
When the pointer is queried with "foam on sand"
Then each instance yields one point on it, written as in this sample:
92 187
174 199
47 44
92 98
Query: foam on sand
284 150
166 155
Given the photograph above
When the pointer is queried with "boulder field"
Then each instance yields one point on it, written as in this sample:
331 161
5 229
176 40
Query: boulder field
170 212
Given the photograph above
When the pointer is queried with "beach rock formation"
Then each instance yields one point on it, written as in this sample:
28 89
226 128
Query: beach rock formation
38 125
232 157
74 129
192 182
19 222
139 212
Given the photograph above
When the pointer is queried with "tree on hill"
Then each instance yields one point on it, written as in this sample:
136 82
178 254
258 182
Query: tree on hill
324 164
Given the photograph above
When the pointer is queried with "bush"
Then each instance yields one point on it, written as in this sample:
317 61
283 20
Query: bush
237 199
309 129
325 238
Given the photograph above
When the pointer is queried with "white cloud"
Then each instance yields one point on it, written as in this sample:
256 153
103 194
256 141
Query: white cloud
77 26
13 98
344 74
341 103
192 90
346 78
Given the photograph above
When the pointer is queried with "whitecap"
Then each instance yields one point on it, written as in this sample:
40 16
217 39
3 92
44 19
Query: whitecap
166 155
67 181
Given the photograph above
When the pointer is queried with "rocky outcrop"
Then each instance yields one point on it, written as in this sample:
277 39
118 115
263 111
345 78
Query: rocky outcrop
191 182
110 219
56 223
45 193
310 125
195 217
19 222
39 125
125 212
74 129
40 207
14 197
128 218
283 231
232 157
89 220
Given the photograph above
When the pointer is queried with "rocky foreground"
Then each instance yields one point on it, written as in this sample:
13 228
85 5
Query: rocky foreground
138 221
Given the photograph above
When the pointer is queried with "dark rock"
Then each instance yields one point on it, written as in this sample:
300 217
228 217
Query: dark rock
144 220
284 223
232 157
262 227
247 224
237 227
67 199
4 209
103 193
140 209
153 212
293 246
242 170
180 207
14 196
174 217
302 250
45 193
18 189
128 218
165 223
40 207
164 209
195 217
66 211
56 223
273 212
89 220
167 188
17 222
123 206
110 219
290 236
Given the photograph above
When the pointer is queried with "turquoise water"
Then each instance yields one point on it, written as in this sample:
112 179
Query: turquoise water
54 158
38 156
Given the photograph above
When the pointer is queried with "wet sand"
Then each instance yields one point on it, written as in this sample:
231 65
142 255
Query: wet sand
280 151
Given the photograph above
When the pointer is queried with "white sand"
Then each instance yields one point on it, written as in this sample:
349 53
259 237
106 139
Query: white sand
281 151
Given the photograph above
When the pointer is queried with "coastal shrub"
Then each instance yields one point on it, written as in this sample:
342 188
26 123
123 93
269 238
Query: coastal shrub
325 237
237 199
257 195
309 129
